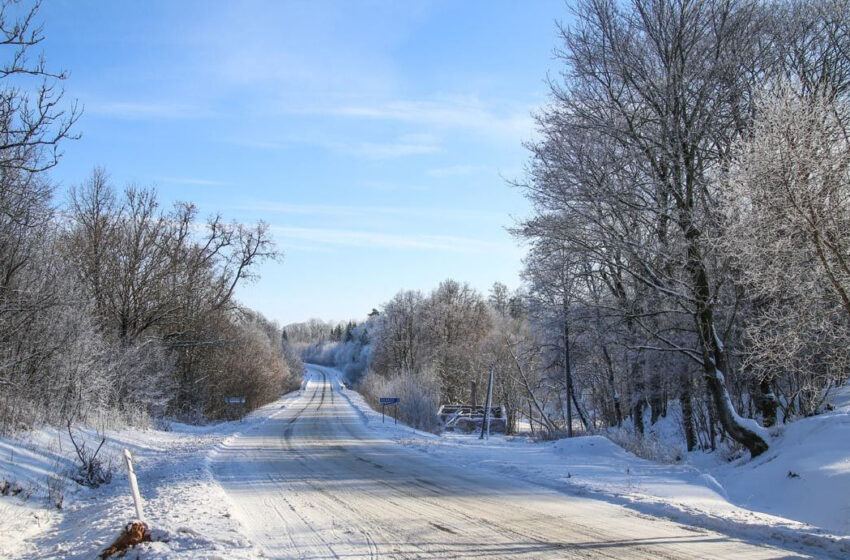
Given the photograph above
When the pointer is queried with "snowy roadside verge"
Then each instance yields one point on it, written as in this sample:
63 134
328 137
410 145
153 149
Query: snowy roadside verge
183 503
716 498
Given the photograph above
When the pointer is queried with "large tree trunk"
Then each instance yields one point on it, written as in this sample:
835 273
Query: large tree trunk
568 372
656 397
582 416
685 397
744 431
765 402
612 386
638 397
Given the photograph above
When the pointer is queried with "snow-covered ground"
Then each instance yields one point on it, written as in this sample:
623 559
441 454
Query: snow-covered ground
203 504
183 503
805 475
743 497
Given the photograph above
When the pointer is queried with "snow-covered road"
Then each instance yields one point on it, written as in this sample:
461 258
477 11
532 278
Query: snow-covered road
314 482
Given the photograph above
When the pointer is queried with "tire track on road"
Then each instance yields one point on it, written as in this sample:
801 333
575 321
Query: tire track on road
436 509
443 501
339 490
324 388
305 459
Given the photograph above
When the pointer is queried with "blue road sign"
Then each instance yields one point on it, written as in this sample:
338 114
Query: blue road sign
390 400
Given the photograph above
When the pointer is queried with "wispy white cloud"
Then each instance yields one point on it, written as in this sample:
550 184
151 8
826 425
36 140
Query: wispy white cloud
377 150
457 170
273 49
376 240
408 145
391 186
192 181
492 119
147 110
289 244
367 212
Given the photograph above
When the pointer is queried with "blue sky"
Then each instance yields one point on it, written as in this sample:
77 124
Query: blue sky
374 137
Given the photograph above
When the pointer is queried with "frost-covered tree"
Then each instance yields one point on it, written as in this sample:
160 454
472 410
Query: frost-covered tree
552 272
399 340
809 45
788 208
653 94
33 125
454 321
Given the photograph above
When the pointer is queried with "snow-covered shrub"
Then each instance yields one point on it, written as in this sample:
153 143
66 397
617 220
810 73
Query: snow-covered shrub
55 485
647 446
252 365
293 361
321 352
12 488
94 469
419 394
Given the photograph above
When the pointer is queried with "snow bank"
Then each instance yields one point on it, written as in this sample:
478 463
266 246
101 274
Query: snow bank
591 447
804 476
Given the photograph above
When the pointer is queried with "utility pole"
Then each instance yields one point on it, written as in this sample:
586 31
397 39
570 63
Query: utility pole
567 371
485 427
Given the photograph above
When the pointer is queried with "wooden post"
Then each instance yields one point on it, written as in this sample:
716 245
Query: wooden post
134 486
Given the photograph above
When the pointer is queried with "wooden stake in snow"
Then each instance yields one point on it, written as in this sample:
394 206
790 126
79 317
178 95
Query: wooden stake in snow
134 486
